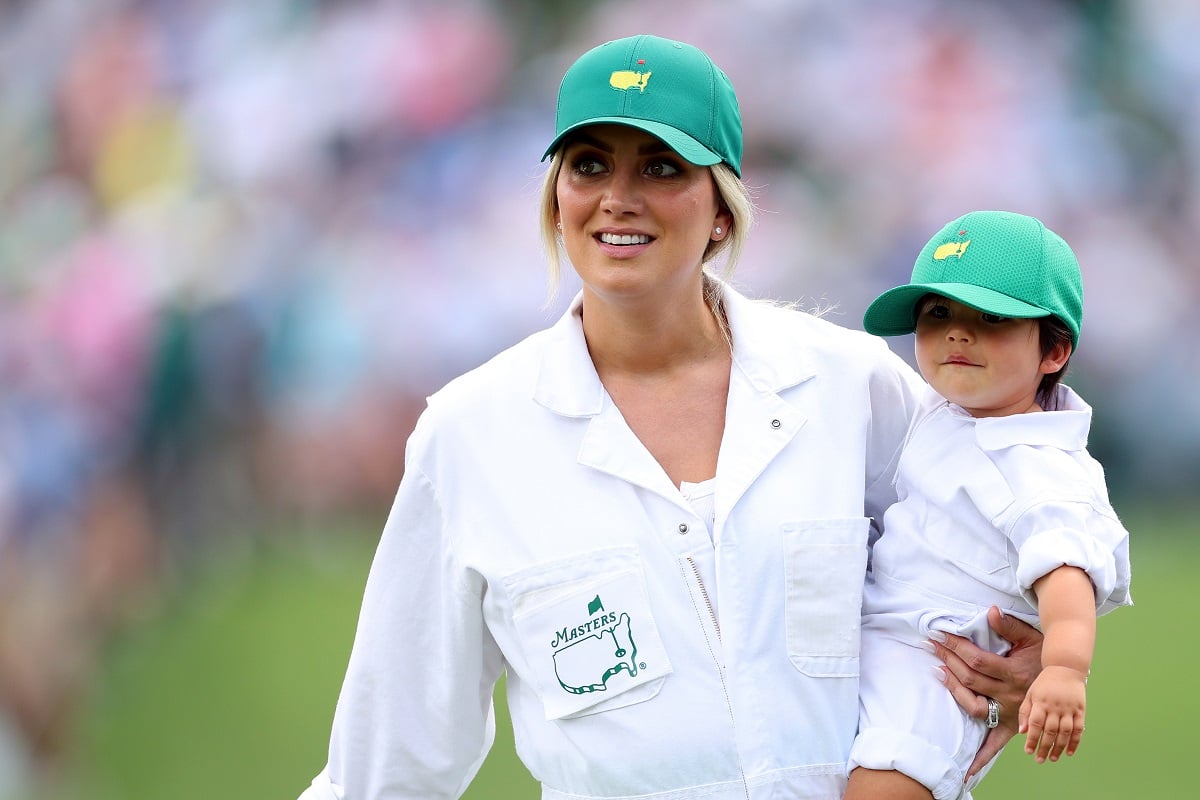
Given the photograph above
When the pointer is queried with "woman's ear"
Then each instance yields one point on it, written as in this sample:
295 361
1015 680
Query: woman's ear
722 223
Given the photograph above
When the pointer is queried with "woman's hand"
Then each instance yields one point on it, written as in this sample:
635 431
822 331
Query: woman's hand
973 675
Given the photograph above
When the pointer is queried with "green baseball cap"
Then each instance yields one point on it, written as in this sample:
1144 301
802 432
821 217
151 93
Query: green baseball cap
999 262
669 89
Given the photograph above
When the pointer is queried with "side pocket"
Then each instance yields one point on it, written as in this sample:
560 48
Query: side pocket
825 565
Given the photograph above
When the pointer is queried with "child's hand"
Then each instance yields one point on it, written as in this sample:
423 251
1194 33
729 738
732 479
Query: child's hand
1052 714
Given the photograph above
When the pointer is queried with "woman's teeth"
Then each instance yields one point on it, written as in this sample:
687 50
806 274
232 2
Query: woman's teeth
624 238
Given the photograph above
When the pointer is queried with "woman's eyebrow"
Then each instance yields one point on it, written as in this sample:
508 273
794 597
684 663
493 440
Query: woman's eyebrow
590 141
654 147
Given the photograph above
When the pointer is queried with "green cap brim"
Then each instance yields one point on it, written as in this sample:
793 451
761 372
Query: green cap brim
688 148
894 312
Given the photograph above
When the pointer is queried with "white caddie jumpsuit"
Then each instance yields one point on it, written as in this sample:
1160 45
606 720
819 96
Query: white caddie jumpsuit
986 507
534 535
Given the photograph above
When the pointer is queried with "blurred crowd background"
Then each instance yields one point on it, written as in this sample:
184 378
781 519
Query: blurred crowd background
240 242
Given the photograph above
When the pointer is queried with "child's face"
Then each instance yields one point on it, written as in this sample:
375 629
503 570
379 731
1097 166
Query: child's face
989 365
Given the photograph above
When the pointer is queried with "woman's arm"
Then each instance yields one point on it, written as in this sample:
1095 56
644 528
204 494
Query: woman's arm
414 717
973 675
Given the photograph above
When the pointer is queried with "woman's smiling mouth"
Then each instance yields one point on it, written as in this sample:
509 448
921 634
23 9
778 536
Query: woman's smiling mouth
624 238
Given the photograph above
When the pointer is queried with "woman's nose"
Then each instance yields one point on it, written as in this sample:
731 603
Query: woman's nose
622 194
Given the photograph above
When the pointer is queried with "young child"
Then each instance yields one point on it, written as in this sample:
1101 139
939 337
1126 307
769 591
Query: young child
999 504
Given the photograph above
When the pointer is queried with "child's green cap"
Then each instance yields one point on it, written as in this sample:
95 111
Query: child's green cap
669 89
999 262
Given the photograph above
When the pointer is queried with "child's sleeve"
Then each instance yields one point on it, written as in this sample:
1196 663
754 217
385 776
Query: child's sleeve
1075 532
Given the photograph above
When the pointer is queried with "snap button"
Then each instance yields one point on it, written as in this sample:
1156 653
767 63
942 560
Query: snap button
683 528
775 423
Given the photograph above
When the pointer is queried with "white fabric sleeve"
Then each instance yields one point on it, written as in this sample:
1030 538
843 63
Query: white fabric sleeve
322 789
895 394
1074 534
414 718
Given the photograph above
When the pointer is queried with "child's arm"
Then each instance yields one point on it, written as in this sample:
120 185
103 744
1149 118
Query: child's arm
1053 711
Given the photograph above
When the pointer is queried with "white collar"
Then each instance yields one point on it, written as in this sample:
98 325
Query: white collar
1065 428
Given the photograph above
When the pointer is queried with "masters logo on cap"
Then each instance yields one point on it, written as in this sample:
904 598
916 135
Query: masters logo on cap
669 89
1002 263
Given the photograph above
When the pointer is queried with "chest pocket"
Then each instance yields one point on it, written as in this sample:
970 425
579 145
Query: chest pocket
978 545
958 496
825 566
585 628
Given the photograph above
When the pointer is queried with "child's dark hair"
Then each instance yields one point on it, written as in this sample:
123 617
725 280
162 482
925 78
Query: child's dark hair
1052 331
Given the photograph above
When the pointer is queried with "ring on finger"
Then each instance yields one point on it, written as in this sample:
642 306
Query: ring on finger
993 717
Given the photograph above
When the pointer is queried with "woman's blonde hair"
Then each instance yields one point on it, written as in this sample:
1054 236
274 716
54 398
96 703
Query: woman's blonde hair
733 195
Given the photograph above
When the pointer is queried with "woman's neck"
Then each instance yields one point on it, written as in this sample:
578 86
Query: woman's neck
647 339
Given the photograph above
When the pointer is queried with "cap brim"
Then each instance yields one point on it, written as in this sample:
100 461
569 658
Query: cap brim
894 312
688 148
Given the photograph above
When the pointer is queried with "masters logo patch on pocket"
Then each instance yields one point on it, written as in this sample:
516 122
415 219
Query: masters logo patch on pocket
592 643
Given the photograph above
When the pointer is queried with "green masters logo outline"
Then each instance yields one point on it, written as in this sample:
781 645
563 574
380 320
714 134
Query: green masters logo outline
588 655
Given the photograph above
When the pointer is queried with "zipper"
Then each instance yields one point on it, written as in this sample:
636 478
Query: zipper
712 615
716 626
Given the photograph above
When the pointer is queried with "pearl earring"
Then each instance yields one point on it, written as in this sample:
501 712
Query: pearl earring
717 230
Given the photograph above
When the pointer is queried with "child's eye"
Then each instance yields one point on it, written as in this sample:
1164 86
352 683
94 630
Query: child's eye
938 312
992 319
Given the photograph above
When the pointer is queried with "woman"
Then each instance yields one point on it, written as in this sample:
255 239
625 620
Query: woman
653 516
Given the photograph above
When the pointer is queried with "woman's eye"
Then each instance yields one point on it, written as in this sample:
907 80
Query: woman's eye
587 166
662 169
